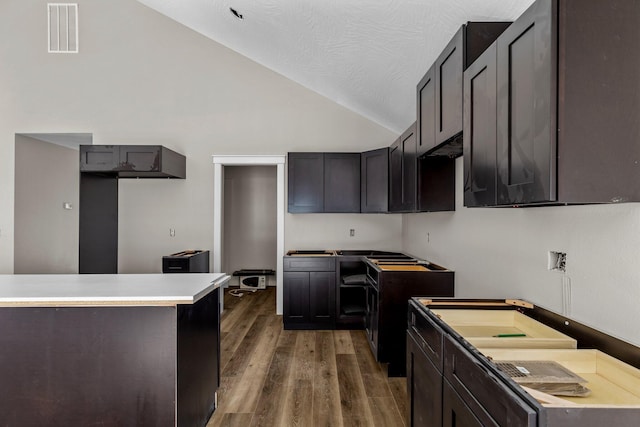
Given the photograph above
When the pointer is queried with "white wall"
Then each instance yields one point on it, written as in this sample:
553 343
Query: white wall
141 78
502 253
46 234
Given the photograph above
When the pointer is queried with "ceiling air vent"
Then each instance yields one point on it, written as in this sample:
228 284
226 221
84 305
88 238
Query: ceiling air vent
63 27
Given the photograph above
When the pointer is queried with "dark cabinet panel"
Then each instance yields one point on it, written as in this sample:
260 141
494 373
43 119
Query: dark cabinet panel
133 161
402 172
374 180
436 184
296 297
448 69
480 131
424 387
426 114
99 158
526 108
455 412
98 224
305 182
322 300
309 300
342 182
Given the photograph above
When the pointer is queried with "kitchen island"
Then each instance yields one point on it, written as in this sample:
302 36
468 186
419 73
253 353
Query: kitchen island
137 349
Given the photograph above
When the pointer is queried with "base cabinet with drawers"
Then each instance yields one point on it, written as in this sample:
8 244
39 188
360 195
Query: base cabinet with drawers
453 379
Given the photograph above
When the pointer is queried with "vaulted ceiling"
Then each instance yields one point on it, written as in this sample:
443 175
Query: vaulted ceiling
366 55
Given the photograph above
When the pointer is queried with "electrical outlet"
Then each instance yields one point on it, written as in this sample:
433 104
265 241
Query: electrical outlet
557 261
172 232
352 232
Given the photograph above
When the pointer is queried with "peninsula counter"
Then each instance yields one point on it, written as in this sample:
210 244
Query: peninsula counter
110 350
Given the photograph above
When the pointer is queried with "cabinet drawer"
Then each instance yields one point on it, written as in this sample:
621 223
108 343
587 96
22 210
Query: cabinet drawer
309 264
428 336
476 385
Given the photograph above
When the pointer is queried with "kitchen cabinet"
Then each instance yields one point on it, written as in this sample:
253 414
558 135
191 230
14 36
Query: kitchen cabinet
305 182
323 182
402 172
480 130
374 180
133 161
424 387
458 340
351 292
342 182
309 289
436 184
426 114
440 91
390 287
99 158
567 104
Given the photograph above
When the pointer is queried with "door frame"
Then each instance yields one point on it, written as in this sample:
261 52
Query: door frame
218 209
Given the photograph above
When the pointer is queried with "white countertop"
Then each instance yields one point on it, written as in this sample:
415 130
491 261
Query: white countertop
107 289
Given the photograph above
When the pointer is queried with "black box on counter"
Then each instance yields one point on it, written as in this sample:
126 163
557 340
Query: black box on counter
189 261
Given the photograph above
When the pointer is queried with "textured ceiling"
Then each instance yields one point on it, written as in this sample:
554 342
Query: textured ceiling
367 55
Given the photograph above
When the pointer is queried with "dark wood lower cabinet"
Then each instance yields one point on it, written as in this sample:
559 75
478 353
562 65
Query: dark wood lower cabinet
309 300
424 387
455 412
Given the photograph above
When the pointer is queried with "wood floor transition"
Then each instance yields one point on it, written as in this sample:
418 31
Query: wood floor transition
272 377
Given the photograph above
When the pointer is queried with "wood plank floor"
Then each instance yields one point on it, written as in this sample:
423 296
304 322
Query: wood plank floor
272 377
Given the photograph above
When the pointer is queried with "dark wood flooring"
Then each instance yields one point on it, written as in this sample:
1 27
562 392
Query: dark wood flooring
272 377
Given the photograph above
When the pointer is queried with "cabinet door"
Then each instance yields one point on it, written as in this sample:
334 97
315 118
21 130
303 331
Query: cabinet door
526 103
322 297
342 182
395 177
409 179
424 387
296 297
449 89
456 413
480 130
374 181
305 182
426 114
140 158
99 158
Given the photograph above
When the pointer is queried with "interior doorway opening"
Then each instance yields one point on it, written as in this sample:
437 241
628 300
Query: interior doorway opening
229 255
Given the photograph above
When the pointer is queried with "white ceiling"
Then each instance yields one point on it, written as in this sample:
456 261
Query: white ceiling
367 55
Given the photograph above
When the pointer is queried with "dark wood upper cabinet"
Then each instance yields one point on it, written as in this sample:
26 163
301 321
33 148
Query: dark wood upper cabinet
449 69
526 108
323 182
305 182
374 181
480 130
99 158
426 103
342 182
402 172
133 161
568 103
439 93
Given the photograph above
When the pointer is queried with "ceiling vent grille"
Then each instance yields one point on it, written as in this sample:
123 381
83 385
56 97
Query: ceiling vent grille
63 27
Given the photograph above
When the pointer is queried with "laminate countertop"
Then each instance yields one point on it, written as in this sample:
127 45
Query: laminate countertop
107 289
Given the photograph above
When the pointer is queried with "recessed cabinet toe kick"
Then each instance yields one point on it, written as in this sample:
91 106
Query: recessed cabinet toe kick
116 350
496 363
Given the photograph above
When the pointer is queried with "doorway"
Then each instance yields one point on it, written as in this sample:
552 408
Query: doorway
220 258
